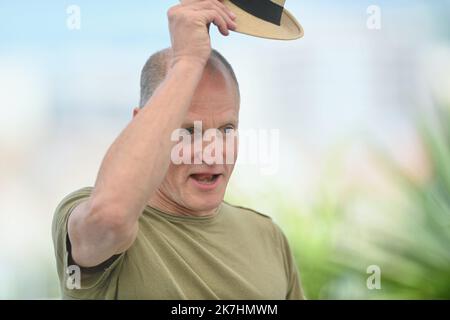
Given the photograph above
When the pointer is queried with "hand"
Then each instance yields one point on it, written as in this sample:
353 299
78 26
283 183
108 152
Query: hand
188 26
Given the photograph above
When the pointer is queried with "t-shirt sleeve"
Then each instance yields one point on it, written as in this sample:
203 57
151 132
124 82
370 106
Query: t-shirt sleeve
294 291
76 282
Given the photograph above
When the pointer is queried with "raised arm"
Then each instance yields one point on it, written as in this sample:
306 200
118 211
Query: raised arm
135 164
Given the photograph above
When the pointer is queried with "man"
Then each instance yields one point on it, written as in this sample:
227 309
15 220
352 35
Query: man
152 229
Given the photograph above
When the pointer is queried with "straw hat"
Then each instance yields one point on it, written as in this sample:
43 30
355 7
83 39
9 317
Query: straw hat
265 19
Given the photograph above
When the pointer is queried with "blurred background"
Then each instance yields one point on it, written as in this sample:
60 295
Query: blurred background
362 104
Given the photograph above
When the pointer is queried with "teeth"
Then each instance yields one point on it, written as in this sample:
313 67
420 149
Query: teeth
208 179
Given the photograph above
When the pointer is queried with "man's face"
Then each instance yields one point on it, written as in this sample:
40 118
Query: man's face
200 187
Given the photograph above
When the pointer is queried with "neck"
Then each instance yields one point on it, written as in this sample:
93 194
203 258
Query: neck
162 202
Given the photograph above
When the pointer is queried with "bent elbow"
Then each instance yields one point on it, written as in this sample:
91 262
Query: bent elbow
115 221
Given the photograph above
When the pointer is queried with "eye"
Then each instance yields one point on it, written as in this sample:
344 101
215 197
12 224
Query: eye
228 129
190 130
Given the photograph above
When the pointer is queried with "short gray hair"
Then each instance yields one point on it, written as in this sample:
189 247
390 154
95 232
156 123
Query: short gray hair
156 67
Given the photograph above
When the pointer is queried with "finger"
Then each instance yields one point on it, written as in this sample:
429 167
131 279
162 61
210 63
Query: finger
216 5
208 3
220 22
227 10
214 17
225 13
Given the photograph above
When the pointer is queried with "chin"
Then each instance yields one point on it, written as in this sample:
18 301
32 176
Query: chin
205 196
202 203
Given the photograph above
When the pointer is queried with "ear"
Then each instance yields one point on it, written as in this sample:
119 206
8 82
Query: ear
135 111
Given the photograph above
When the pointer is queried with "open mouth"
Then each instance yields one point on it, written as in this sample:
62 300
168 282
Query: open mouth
205 179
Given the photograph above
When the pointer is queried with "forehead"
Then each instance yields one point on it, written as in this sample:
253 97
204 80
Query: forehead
216 96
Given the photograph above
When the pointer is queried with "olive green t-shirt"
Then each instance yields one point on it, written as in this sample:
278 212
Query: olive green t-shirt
236 253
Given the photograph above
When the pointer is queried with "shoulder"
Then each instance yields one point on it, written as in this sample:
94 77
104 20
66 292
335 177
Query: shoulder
92 285
251 217
250 213
75 195
256 218
69 202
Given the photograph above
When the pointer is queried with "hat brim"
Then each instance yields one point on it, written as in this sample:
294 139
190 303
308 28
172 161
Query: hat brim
290 28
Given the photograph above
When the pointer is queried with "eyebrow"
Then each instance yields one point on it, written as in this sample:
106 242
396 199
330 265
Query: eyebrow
190 124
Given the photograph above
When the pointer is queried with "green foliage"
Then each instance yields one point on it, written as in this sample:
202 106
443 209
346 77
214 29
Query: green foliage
406 233
412 248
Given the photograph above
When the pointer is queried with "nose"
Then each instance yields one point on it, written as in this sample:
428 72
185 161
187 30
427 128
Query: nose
209 150
213 148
